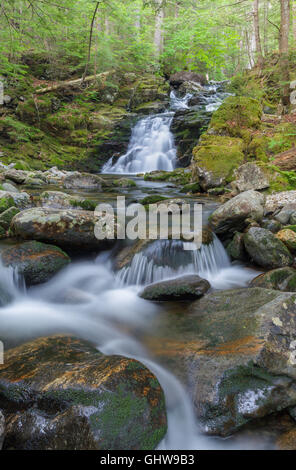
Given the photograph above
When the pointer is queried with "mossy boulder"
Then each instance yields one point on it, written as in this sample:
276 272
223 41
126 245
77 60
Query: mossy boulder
236 248
6 201
189 287
66 395
283 279
7 216
180 176
236 117
266 250
67 228
36 262
60 200
125 183
215 158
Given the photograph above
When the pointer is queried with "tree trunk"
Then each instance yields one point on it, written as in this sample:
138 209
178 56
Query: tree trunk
294 19
158 38
265 32
259 55
284 51
90 40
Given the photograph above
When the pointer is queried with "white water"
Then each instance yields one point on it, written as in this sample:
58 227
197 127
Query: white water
86 298
165 259
152 144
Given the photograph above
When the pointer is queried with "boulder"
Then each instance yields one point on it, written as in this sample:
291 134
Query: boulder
272 225
180 77
188 287
283 279
235 351
215 158
17 176
234 215
36 262
250 176
288 237
84 181
9 187
63 394
66 228
8 199
266 250
194 88
285 214
2 429
279 200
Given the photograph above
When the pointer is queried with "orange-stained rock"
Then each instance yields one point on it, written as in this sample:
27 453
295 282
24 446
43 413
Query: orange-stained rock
61 393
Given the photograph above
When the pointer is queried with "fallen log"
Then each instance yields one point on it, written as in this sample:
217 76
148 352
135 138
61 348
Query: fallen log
286 160
70 83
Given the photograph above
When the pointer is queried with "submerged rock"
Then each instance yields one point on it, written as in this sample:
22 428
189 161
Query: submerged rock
235 351
283 279
234 215
65 395
37 262
66 228
182 288
266 249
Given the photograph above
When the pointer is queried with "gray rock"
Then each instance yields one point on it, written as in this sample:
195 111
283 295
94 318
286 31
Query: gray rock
188 287
250 176
279 200
285 213
83 181
272 225
66 228
266 250
2 429
233 216
17 176
235 351
9 187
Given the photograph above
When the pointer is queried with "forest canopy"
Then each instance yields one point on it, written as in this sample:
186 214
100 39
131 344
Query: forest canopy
56 39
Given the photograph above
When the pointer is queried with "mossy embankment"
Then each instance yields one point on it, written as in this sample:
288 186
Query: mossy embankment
73 127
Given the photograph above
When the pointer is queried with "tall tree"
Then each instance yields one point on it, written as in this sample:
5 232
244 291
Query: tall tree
259 54
158 37
284 50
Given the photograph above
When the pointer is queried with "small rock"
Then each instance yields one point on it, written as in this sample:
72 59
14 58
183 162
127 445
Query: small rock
236 248
285 213
279 200
182 288
85 181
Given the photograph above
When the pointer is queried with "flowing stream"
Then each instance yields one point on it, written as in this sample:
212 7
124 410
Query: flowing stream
91 301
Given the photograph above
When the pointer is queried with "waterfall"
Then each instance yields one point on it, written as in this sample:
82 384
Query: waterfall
152 144
167 259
